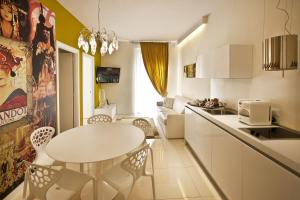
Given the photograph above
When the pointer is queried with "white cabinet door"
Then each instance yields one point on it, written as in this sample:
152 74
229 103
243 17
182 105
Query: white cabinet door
197 134
204 131
240 61
220 62
264 179
232 61
191 134
227 163
188 118
228 61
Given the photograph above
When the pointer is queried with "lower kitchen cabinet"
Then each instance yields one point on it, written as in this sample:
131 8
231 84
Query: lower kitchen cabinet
241 172
203 139
197 134
188 126
227 164
264 179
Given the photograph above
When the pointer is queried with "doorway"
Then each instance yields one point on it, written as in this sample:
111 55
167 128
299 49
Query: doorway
88 79
68 106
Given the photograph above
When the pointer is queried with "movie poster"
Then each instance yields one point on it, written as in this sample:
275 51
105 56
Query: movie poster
14 20
14 57
27 83
42 39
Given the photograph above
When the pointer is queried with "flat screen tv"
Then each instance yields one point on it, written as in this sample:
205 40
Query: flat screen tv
107 75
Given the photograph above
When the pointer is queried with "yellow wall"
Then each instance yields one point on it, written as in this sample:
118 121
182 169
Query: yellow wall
67 30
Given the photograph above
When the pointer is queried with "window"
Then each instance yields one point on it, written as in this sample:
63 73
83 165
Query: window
145 96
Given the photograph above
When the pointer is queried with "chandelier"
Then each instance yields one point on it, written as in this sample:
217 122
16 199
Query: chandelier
89 39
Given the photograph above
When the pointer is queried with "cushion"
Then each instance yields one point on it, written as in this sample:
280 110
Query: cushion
162 116
168 102
162 109
178 105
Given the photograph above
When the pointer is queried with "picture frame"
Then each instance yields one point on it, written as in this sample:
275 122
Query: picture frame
190 70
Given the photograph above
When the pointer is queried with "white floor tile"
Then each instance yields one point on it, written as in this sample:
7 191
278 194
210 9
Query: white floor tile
142 189
200 182
177 176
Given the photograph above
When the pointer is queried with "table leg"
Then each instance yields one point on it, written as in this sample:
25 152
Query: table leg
99 180
104 191
99 170
81 167
95 189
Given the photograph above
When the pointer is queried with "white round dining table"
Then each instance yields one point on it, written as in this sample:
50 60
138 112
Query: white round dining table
95 142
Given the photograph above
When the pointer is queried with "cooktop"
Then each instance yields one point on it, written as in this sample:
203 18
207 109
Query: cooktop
272 133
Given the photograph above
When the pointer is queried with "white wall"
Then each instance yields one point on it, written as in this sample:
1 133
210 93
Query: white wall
192 87
122 93
241 22
172 70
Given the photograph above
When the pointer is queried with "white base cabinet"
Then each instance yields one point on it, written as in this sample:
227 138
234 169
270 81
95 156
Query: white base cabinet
220 153
198 136
240 171
264 179
227 164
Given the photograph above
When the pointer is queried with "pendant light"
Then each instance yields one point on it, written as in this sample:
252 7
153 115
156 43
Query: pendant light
107 39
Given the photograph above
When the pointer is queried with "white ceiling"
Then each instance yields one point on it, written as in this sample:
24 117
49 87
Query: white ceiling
165 20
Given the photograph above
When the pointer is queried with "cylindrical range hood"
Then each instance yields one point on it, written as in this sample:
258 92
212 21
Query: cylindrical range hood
280 53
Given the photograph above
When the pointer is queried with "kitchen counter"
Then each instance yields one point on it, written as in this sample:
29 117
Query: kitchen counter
285 152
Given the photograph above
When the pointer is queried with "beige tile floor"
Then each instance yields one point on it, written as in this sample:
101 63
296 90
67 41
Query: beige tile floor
177 176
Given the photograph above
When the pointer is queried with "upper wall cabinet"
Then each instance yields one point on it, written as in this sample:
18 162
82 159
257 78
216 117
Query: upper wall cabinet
229 61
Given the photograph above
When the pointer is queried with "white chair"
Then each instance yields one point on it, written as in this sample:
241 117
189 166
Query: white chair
95 119
144 125
39 139
146 128
101 118
123 176
48 183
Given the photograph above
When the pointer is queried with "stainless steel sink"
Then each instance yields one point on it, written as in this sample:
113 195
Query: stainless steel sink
221 111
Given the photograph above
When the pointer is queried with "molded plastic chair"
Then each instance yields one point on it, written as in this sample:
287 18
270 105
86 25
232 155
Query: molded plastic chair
146 128
144 125
101 118
95 119
48 183
123 176
39 140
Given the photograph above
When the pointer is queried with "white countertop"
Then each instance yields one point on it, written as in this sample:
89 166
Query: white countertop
285 151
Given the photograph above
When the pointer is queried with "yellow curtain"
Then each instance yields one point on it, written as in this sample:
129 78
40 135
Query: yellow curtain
155 57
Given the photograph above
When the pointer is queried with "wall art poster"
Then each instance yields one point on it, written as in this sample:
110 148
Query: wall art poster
14 20
27 83
42 39
13 84
190 70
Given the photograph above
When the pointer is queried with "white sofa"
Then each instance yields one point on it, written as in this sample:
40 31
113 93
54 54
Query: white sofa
170 116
